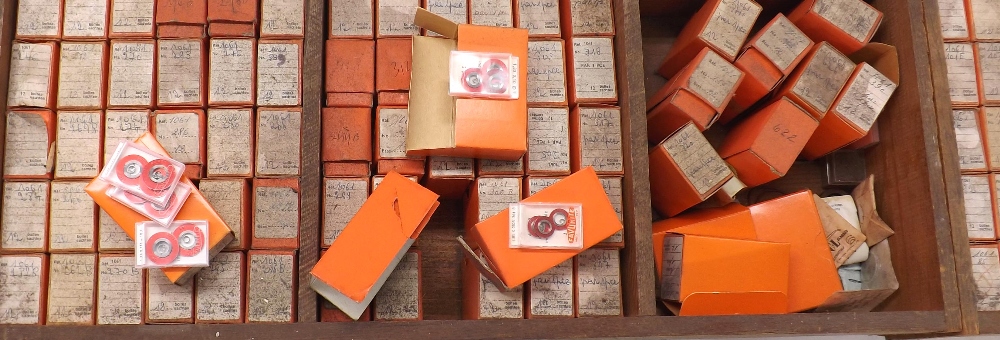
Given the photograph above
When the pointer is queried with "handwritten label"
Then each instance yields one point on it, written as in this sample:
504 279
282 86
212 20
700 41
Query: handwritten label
278 138
220 288
179 72
395 17
985 19
548 139
132 16
283 17
230 71
961 67
351 18
81 75
131 82
601 138
854 17
111 236
392 126
85 18
279 74
496 194
38 18
536 184
546 72
954 24
551 292
450 167
613 188
119 125
20 289
72 217
823 78
72 281
454 10
592 17
180 135
714 79
26 151
226 196
782 42
271 289
230 141
494 304
594 68
986 272
119 291
970 144
696 158
376 180
492 166
730 24
167 301
276 212
342 198
989 69
22 224
497 13
30 74
540 17
978 207
865 98
598 283
992 115
78 144
399 298
673 252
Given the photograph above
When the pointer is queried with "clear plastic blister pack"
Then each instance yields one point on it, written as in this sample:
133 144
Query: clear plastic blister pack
142 172
483 75
162 214
182 244
546 225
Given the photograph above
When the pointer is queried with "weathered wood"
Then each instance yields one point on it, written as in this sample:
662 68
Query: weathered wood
309 183
8 8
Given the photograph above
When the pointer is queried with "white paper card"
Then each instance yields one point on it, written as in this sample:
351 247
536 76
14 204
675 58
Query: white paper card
30 74
961 64
132 16
131 81
540 17
119 291
551 292
594 68
22 222
72 217
78 144
81 75
230 142
978 207
279 71
282 17
342 198
276 213
26 151
85 18
72 282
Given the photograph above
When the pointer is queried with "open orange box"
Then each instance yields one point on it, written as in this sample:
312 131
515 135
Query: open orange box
731 221
194 208
697 94
763 147
449 177
510 267
685 170
846 24
722 25
442 125
358 263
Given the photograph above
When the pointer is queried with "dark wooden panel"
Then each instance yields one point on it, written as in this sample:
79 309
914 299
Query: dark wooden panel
8 8
309 183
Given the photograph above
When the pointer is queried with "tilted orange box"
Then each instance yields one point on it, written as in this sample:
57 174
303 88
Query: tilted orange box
30 147
816 83
721 25
449 177
349 100
357 264
766 59
181 18
276 204
346 169
489 196
763 147
228 29
442 125
718 276
794 219
685 170
194 208
697 94
182 134
730 221
392 64
509 267
39 20
393 98
347 134
350 64
846 24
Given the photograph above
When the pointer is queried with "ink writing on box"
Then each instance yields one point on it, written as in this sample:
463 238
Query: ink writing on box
989 69
497 13
282 17
601 139
551 292
399 298
276 212
978 207
864 99
168 301
854 17
81 75
591 17
132 16
229 146
278 140
219 289
730 24
278 74
227 197
539 17
26 152
119 291
971 155
39 18
782 42
594 72
548 140
714 79
131 79
72 280
270 293
30 74
343 198
180 134
395 17
22 222
954 24
85 18
823 78
351 18
440 166
392 126
494 304
496 194
992 116
961 65
695 157
230 71
598 283
546 72
119 125
180 71
111 236
72 217
78 144
985 270
21 289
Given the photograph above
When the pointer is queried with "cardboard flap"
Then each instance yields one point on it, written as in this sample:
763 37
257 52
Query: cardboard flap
875 229
481 264
878 282
735 303
882 57
842 237
431 122
435 23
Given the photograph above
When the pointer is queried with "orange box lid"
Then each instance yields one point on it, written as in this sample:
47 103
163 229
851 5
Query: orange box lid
509 267
730 221
774 135
372 243
794 219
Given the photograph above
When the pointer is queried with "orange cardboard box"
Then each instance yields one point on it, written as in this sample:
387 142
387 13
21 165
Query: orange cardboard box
221 288
547 73
78 144
846 24
442 125
167 31
720 25
596 139
194 208
276 204
390 133
279 72
34 68
272 286
229 144
730 221
231 199
393 98
26 280
39 20
393 63
181 73
954 20
230 29
358 263
132 19
869 140
342 197
816 83
346 169
597 287
72 219
409 167
590 70
177 130
481 300
685 170
548 141
402 293
719 276
185 12
233 11
509 267
794 219
488 196
766 60
376 180
350 65
34 132
449 177
697 94
347 134
232 72
494 168
349 100
283 19
763 147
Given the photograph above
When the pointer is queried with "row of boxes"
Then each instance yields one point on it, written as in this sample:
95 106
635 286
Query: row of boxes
973 73
80 20
969 20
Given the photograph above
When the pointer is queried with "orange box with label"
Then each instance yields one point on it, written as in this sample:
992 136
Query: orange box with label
721 25
347 134
449 177
360 260
393 62
233 11
180 134
31 65
393 98
442 125
229 29
763 147
481 300
697 94
766 60
349 100
350 65
222 276
171 89
35 131
194 208
131 20
510 267
685 170
37 20
846 24
817 81
275 223
346 169
181 16
494 168
794 219
24 296
488 196
729 221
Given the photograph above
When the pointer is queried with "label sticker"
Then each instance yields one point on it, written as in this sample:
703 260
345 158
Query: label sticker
276 213
395 17
854 17
131 81
38 18
71 217
21 287
219 288
270 288
343 198
551 292
26 151
119 125
540 17
782 42
392 126
714 79
450 167
730 24
954 24
591 17
989 70
226 196
283 17
594 68
119 291
85 18
961 65
132 16
168 301
72 281
278 138
22 222
697 159
230 142
598 283
970 144
978 207
399 298
823 78
180 134
986 272
546 72
78 144
497 13
548 140
81 75
30 74
179 72
601 139
278 74
497 194
865 98
230 71
351 18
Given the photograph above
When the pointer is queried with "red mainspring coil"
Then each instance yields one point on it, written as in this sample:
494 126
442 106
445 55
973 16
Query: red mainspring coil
162 248
130 169
157 176
190 239
161 211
